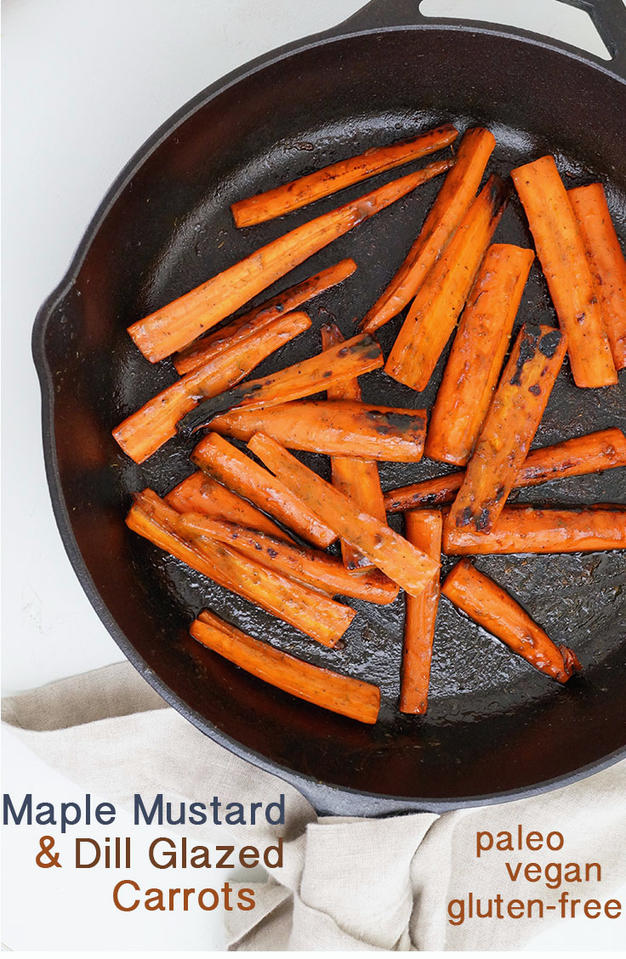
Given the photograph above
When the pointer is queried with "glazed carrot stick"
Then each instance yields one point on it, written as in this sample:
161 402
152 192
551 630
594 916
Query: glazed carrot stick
497 612
456 195
315 684
360 354
477 354
228 465
173 326
304 565
391 553
319 617
335 428
606 260
330 179
509 428
356 478
287 301
440 299
423 530
592 453
527 529
561 251
144 432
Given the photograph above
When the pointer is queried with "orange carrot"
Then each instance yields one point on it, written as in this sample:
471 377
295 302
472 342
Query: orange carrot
173 326
497 612
330 179
509 428
478 351
451 205
391 553
239 329
606 260
315 684
561 251
234 469
423 530
440 299
143 433
319 617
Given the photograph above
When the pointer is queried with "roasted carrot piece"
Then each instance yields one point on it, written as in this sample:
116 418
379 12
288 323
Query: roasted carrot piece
144 432
330 179
391 553
315 684
360 354
488 605
561 251
423 530
509 428
440 299
477 354
228 465
305 565
527 529
357 478
173 326
592 453
451 205
202 349
606 260
319 617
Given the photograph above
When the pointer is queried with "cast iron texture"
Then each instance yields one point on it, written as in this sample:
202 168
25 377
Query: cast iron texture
495 729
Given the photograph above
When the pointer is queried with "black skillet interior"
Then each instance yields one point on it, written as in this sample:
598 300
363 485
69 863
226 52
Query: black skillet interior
494 726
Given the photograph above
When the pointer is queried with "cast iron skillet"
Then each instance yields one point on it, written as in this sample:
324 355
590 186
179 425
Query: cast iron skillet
495 729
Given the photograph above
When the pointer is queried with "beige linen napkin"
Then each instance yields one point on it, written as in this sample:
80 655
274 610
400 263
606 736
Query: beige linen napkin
346 884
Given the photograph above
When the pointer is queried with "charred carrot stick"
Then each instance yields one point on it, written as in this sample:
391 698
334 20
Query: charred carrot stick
423 530
509 427
175 325
360 354
319 617
477 354
592 453
488 605
454 199
304 565
561 251
228 465
315 684
391 553
356 478
144 432
526 529
287 301
606 260
440 299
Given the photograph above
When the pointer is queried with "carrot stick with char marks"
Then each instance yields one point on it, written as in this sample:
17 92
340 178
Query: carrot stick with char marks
452 203
423 530
319 617
440 299
477 354
280 305
488 605
315 684
144 432
606 260
561 251
174 326
228 465
509 427
391 553
330 179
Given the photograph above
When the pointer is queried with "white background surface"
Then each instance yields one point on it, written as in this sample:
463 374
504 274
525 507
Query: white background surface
85 82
